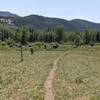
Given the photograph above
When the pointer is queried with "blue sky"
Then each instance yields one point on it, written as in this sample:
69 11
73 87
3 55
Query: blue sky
67 9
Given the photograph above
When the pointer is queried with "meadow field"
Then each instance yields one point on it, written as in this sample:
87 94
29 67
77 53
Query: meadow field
76 78
78 75
24 80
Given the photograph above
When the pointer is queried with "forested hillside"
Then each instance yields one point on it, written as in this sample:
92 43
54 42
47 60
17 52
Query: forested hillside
41 22
7 14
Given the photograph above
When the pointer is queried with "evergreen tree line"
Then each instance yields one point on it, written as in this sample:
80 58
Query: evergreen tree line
25 35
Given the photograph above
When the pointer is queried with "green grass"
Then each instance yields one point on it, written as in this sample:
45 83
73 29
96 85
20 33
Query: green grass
78 75
24 80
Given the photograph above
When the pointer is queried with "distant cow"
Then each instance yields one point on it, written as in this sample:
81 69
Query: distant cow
31 50
55 46
45 46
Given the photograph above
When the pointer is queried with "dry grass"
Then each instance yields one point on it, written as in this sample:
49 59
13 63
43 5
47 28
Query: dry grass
24 80
78 75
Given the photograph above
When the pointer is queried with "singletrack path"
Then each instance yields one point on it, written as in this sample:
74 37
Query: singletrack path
48 88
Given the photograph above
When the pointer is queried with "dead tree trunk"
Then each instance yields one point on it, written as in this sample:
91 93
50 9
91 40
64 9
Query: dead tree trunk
21 53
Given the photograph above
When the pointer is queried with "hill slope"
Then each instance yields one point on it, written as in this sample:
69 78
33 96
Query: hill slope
7 14
83 24
41 22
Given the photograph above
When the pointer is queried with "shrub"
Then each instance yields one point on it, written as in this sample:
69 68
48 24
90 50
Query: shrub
55 46
10 42
78 80
11 45
92 44
77 41
3 43
45 46
38 44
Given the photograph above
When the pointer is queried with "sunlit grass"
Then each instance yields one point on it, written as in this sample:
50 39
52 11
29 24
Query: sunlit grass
78 75
24 80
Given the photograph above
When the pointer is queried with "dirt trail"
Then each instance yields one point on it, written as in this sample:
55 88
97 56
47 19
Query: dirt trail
48 83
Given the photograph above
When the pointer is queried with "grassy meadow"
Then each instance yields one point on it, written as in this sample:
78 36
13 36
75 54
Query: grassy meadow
24 80
78 75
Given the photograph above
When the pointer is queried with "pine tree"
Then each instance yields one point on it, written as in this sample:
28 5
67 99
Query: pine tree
24 36
98 36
